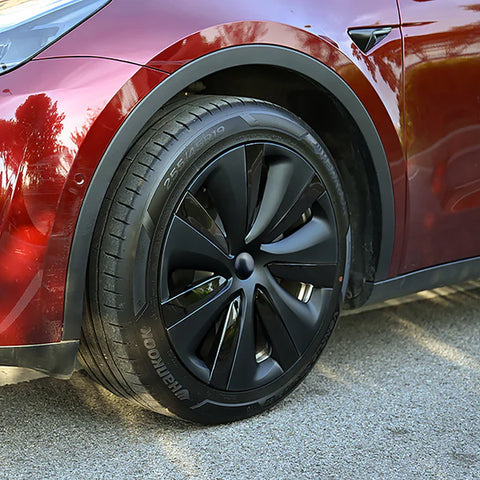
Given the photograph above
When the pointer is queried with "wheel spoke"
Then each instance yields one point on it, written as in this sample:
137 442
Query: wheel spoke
242 361
220 369
190 300
325 206
236 367
283 348
187 333
310 194
237 341
315 242
318 275
287 178
187 248
227 186
193 213
300 319
254 155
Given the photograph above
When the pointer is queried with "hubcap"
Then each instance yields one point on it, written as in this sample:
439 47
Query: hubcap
248 266
244 265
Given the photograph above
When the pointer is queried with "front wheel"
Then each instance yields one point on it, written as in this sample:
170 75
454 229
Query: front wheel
218 263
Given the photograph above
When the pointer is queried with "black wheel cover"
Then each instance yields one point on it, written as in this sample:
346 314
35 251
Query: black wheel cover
248 266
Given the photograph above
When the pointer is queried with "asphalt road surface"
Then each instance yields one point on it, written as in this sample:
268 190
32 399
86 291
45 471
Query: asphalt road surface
394 396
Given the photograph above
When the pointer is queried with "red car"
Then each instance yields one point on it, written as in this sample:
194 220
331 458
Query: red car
189 193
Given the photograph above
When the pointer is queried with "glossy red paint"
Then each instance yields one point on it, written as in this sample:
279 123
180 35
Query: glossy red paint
46 162
122 30
79 103
319 30
442 73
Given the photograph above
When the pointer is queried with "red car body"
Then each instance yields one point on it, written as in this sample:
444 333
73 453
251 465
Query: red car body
80 102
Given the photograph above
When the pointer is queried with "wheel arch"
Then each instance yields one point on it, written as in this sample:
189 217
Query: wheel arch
265 55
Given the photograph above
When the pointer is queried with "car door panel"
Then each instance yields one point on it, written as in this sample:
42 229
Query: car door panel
442 131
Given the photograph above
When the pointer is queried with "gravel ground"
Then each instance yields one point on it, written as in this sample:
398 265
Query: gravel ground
394 396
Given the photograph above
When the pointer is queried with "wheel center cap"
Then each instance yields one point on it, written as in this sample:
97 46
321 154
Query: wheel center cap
244 265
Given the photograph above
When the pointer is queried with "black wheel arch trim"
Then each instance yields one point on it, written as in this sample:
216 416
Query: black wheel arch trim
165 91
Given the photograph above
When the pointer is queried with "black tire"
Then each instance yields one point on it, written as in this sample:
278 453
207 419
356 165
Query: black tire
237 201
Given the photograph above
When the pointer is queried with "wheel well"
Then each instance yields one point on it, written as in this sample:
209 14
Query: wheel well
332 122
